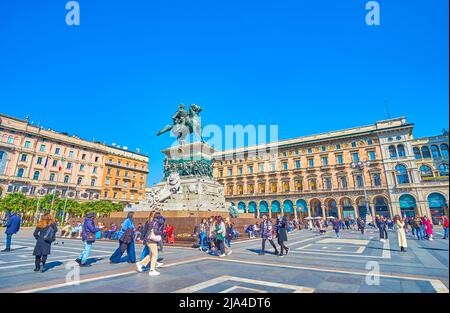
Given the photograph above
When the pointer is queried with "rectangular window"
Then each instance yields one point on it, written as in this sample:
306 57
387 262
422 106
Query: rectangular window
340 159
359 181
108 181
57 151
81 167
27 144
55 163
324 148
353 144
285 166
240 170
309 150
297 164
68 165
83 156
23 158
272 167
372 156
310 162
94 169
42 148
261 168
70 154
39 160
376 179
250 169
355 157
338 147
328 184
324 161
230 172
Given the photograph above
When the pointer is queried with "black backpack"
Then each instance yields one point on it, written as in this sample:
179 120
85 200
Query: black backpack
50 234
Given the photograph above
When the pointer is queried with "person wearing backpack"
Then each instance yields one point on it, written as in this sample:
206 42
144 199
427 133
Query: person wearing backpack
151 236
126 241
88 236
45 234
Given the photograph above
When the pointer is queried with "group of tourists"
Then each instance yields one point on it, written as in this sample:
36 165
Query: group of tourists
46 230
215 235
279 231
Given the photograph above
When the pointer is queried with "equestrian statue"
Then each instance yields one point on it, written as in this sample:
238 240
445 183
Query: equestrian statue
185 123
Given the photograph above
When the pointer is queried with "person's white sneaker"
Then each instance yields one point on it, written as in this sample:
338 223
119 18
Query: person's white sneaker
159 264
231 251
139 267
154 273
222 255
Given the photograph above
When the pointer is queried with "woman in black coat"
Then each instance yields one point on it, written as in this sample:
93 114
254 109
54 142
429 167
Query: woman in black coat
281 229
45 234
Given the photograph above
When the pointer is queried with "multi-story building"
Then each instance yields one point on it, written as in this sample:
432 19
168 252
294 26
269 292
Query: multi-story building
313 176
37 161
124 176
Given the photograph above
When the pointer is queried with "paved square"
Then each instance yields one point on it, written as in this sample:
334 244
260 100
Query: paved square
315 264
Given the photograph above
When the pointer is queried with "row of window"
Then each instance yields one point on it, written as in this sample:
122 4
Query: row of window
126 174
68 166
434 151
50 190
127 164
124 183
57 151
327 184
297 163
427 171
121 195
52 177
309 151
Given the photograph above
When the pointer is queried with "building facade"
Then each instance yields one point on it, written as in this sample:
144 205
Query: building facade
124 176
313 175
37 161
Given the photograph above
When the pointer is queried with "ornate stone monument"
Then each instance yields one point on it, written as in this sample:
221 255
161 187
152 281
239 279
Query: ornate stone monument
188 183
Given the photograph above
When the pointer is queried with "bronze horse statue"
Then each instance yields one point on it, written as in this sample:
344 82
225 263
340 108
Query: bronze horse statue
185 123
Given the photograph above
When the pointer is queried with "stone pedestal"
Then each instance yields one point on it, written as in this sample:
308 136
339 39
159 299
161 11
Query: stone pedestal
188 184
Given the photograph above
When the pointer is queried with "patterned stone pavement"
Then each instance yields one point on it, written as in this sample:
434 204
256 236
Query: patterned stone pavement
354 263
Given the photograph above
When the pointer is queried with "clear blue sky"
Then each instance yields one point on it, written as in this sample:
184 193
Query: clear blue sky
309 66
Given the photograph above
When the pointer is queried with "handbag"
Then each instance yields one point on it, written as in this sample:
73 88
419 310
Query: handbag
153 237
50 234
90 237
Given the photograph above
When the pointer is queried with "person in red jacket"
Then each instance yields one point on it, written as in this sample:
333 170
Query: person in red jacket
445 226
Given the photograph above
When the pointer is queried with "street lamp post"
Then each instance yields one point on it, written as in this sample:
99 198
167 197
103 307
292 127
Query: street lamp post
360 166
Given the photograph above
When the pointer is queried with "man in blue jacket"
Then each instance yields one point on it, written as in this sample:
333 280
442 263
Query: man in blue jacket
12 227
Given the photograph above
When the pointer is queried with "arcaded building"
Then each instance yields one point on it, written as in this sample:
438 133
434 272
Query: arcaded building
313 175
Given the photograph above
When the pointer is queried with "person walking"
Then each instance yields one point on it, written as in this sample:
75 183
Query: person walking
229 229
445 226
266 234
12 228
45 234
88 237
337 228
401 233
282 234
220 231
202 235
382 227
428 227
151 235
416 226
126 241
361 225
